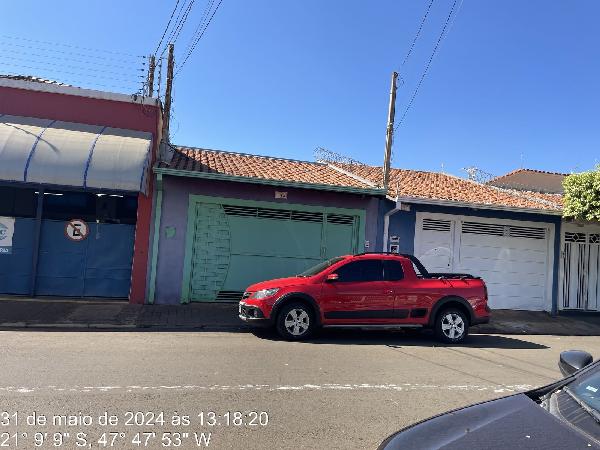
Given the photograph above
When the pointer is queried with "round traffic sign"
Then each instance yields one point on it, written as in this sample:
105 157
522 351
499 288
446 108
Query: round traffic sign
76 230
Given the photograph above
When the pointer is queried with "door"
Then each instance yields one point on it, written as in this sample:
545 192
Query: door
359 295
97 266
580 268
436 242
514 258
235 244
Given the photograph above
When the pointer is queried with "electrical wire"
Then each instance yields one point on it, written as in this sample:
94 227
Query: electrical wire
62 52
201 23
71 46
182 23
412 46
175 26
93 70
191 50
63 58
433 53
166 28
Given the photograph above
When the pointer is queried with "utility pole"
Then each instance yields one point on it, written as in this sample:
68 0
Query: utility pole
389 135
151 68
168 89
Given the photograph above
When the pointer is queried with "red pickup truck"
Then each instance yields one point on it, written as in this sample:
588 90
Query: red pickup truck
365 291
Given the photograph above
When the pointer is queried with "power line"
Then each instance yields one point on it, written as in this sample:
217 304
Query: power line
182 23
433 53
63 52
191 50
176 24
71 46
412 46
166 28
62 58
63 65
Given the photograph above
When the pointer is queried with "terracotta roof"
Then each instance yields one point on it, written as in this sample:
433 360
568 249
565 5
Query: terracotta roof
261 167
440 186
513 172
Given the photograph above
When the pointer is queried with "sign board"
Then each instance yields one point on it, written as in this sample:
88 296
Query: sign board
7 229
77 230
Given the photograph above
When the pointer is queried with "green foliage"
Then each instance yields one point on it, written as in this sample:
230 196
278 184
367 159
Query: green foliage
582 195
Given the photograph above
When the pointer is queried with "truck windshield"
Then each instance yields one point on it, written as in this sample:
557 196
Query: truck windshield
320 267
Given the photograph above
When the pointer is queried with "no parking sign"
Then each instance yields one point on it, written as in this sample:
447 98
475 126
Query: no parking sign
77 230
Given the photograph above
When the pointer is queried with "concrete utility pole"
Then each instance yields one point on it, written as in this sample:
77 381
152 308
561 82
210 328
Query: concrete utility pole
168 89
389 135
151 68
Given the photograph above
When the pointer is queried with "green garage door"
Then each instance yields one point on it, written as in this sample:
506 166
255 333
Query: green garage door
235 244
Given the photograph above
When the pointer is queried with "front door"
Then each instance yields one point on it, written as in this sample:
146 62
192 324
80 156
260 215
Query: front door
359 295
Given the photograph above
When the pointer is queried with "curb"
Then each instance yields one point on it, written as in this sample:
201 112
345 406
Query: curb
17 325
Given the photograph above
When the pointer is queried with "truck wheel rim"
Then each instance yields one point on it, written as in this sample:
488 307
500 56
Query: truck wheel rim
453 326
297 322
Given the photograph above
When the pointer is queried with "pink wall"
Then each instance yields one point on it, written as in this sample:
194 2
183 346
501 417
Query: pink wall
116 114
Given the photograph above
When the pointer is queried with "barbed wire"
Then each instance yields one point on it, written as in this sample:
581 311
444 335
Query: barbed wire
325 155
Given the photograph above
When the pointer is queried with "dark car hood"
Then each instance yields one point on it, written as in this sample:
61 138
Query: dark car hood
514 422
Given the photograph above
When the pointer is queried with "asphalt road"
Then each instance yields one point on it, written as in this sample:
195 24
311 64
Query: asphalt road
344 389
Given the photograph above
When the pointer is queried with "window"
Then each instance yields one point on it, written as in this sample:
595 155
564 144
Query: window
392 270
320 267
17 202
365 270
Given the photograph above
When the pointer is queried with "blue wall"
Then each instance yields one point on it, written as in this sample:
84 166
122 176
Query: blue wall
99 266
15 269
402 224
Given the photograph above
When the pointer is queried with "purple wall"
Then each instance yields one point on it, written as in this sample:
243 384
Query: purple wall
176 191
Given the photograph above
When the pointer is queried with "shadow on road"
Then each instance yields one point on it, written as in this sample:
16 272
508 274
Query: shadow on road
405 339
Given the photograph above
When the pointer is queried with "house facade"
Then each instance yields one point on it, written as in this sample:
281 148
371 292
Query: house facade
509 238
226 220
75 190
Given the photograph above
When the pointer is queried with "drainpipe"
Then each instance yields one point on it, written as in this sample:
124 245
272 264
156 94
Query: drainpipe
155 238
386 224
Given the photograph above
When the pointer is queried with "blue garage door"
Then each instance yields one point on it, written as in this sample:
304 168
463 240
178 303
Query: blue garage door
98 266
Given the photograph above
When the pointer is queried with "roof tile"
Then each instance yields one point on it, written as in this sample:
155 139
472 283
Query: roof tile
262 167
440 186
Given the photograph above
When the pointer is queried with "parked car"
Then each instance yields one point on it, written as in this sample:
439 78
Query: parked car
370 290
562 415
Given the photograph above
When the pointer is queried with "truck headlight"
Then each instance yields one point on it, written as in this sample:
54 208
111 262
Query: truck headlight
264 293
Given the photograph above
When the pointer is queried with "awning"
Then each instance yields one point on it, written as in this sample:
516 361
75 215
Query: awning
52 152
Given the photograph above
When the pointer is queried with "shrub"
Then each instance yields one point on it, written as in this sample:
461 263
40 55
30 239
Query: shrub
582 195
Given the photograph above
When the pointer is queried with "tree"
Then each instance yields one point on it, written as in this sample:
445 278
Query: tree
582 195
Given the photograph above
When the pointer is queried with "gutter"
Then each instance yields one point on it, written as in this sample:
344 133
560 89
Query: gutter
269 182
386 225
423 201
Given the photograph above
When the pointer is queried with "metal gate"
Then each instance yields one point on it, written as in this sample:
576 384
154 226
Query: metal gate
99 266
233 244
580 268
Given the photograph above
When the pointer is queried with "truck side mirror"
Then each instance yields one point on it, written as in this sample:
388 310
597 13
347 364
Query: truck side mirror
572 360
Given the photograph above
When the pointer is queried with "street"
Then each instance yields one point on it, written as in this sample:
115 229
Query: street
344 389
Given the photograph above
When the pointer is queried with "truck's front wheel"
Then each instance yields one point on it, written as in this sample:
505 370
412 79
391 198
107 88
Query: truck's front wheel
451 326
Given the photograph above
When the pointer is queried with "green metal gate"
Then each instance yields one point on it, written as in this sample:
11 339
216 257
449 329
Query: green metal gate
232 244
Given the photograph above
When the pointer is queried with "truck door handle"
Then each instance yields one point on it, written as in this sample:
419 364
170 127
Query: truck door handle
390 292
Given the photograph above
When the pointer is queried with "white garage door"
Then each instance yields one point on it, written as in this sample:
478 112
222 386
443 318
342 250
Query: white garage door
513 257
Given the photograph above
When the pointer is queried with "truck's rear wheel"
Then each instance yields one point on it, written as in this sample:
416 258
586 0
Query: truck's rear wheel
295 321
451 326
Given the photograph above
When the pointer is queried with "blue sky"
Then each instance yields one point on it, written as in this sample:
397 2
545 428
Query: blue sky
514 83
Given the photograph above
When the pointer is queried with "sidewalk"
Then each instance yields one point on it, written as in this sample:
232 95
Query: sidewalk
50 313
